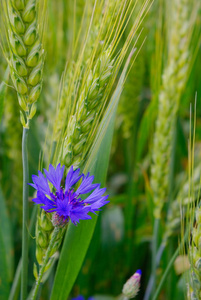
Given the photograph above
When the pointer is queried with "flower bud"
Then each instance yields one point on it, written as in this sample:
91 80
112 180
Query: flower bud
132 285
78 146
19 83
103 79
81 108
35 93
71 126
35 76
77 132
42 239
29 12
34 56
17 44
32 111
22 101
22 119
19 65
94 102
45 223
30 35
87 123
93 91
40 253
16 21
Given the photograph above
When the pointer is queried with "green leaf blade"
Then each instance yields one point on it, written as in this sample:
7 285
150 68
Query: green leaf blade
78 238
6 251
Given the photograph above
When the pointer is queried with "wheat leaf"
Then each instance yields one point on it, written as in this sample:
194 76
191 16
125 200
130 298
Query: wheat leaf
78 238
6 251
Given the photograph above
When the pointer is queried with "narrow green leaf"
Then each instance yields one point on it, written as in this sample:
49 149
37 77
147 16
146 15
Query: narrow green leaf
78 238
3 92
6 251
147 122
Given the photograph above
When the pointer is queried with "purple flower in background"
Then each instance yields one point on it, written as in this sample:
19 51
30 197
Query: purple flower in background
66 202
132 285
80 297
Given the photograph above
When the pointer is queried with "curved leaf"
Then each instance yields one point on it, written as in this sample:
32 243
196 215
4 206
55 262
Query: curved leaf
78 238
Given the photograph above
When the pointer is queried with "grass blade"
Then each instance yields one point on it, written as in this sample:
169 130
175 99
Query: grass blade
6 251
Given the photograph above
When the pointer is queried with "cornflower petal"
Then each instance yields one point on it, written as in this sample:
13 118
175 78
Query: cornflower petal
72 178
42 199
86 186
80 213
95 195
99 203
40 183
55 175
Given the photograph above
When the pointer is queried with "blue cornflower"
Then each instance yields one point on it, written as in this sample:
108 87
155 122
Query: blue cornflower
80 297
66 202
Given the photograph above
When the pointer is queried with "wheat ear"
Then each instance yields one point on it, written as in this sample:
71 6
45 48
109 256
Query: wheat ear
173 83
44 230
26 53
194 285
88 106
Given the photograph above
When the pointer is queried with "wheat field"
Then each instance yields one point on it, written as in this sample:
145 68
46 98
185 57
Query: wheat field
100 131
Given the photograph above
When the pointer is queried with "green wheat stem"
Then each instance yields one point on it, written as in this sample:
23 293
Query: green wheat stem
154 252
167 270
45 261
15 288
25 217
158 259
169 266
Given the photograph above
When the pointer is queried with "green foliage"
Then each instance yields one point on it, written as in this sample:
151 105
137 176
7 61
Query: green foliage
6 251
3 92
126 120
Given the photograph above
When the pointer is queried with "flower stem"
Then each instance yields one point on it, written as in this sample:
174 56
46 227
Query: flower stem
169 266
25 220
46 258
158 258
166 274
154 252
15 288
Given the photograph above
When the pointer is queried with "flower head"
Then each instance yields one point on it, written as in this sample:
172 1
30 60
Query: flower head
66 201
132 285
